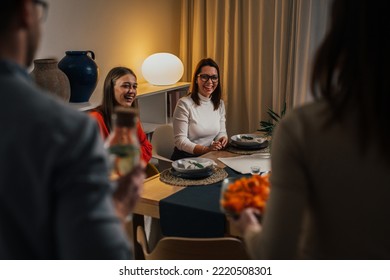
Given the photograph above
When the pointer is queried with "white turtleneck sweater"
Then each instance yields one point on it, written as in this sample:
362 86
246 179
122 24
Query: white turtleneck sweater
193 124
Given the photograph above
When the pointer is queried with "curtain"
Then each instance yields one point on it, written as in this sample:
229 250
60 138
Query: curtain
263 47
311 25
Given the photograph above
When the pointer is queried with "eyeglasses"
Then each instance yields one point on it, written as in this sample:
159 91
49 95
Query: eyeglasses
129 86
205 78
42 9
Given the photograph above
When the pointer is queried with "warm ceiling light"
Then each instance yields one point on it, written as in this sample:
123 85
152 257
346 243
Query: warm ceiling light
162 69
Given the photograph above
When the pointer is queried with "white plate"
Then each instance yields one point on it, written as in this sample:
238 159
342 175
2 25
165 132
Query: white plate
248 139
193 165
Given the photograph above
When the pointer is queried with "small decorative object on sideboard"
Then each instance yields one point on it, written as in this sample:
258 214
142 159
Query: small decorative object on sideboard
48 76
82 72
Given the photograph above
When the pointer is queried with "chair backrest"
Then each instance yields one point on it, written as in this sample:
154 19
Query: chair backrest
163 141
151 170
179 248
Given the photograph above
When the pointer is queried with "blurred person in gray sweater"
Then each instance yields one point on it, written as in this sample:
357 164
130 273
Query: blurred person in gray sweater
56 201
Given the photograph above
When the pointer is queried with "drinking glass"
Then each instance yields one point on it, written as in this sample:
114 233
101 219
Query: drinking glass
255 170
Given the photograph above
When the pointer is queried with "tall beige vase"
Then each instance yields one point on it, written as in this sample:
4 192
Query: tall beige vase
48 76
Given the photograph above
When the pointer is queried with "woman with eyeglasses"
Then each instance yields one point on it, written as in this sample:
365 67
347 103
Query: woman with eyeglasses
120 89
199 121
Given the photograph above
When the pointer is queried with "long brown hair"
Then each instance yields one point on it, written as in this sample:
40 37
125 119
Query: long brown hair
217 94
108 101
352 67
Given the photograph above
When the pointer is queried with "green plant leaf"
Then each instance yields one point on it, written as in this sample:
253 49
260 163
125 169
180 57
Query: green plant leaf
266 123
273 113
274 116
268 126
266 130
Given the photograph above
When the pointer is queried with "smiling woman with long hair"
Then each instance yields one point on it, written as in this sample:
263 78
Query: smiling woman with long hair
120 89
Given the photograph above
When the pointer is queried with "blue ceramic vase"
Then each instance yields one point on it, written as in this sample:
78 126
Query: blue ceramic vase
82 72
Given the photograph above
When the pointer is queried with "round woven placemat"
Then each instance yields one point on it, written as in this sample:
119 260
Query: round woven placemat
235 150
218 175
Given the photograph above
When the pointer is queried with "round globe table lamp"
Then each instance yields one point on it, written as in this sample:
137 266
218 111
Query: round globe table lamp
162 69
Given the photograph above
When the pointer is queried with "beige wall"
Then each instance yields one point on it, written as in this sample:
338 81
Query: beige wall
120 32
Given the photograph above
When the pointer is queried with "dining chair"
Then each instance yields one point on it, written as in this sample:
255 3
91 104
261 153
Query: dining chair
151 170
180 248
163 145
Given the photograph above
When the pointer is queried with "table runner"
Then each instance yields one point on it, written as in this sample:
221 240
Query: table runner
194 212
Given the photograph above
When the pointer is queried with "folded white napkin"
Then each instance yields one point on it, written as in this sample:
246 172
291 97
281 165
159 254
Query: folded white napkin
242 164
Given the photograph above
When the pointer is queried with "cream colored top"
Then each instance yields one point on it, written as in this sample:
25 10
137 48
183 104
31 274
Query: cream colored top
328 199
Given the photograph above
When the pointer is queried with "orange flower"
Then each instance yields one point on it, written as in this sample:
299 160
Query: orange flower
246 192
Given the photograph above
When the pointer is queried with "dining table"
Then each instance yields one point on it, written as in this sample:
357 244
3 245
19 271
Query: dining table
155 191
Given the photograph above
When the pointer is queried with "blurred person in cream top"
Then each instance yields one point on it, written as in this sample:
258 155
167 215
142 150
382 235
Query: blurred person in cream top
331 159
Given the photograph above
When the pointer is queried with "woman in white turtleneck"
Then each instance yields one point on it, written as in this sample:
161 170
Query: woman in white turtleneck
199 121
